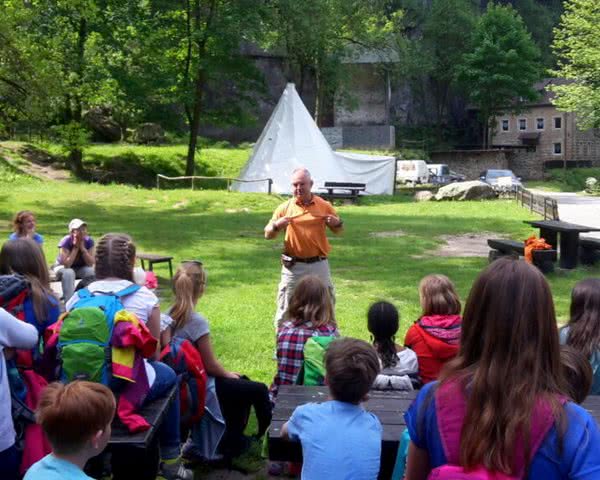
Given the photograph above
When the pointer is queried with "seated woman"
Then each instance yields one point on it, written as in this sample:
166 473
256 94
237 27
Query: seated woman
310 314
435 336
236 394
583 330
115 259
499 407
75 258
24 227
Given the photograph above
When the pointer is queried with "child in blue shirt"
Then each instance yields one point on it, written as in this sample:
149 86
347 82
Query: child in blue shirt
340 440
76 419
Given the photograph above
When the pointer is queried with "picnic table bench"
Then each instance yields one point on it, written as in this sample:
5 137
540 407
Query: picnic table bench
342 190
543 259
136 455
589 250
388 406
153 258
569 238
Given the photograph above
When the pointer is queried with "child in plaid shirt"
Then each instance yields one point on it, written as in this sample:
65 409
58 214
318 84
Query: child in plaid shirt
310 314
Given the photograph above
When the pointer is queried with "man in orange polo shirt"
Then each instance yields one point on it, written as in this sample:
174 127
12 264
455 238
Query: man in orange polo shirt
304 219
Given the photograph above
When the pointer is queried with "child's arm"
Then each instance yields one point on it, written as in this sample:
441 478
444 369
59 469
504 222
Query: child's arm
211 363
417 463
15 333
284 431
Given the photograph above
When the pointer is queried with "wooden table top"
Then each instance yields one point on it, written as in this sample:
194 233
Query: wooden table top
560 226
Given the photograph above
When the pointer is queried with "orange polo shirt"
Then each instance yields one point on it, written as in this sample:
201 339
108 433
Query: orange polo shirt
305 235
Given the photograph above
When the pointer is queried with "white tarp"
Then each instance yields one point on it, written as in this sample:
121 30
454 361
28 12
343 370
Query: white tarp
291 139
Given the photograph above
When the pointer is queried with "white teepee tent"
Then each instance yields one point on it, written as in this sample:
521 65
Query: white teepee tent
292 139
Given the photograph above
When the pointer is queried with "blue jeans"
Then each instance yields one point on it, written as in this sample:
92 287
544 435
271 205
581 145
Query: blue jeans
169 430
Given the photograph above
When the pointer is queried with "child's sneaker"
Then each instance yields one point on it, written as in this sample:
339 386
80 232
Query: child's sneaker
173 469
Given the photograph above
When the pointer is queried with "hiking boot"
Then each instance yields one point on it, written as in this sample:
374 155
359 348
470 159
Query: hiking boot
174 470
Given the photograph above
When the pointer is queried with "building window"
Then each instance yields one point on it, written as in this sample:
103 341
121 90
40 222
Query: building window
522 124
539 123
505 125
558 148
558 122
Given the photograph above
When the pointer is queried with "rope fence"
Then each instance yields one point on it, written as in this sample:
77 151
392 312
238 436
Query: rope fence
229 180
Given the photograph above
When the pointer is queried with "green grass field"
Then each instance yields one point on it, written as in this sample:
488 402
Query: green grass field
224 230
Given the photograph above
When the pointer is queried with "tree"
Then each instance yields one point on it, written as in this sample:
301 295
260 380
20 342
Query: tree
577 46
501 66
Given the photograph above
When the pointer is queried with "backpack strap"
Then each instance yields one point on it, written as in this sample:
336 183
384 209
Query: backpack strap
84 293
451 409
127 290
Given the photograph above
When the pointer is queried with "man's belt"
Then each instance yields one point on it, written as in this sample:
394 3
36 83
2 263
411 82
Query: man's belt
309 259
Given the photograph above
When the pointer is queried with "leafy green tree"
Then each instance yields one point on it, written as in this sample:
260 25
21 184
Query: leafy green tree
500 69
577 45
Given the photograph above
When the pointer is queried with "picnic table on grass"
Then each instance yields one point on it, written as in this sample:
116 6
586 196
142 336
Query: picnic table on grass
569 238
389 406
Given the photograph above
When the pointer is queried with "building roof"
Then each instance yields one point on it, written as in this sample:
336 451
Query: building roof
546 95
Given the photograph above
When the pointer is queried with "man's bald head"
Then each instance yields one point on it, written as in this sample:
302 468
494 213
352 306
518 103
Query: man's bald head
302 184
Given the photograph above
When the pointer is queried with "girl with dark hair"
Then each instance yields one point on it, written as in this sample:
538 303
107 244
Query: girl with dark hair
236 394
398 364
499 407
24 257
115 260
309 314
583 330
435 336
24 227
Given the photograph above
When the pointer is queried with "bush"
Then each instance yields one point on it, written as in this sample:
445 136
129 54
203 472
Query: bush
573 179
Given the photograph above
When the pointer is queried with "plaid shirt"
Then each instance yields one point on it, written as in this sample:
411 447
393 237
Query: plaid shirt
290 350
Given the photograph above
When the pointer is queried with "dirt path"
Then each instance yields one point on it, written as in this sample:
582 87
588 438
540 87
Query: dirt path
32 161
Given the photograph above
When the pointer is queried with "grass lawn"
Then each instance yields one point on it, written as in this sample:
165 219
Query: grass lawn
224 230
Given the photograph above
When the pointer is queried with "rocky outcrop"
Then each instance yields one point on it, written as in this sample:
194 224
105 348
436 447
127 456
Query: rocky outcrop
149 133
104 128
474 190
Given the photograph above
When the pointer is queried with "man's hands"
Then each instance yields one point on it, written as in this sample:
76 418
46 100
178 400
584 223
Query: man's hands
282 223
333 222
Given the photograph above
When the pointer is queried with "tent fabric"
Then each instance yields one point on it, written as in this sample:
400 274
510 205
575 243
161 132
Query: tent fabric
291 139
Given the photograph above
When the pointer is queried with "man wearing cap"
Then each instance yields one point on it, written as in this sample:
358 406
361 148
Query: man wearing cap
304 219
75 258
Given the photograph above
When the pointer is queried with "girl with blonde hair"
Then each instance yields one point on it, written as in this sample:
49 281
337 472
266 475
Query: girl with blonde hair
235 393
310 314
435 336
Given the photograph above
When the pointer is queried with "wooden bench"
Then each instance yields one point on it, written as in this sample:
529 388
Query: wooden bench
153 258
137 455
388 406
342 190
589 250
543 259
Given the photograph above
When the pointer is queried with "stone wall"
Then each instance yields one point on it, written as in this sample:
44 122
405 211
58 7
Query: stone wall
586 145
334 137
368 136
471 162
366 103
526 164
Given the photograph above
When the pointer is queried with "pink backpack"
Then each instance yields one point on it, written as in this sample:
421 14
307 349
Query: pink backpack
451 408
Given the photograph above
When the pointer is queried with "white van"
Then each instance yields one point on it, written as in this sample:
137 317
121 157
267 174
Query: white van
412 171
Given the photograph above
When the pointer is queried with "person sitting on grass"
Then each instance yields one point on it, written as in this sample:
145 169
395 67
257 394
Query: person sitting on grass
435 336
24 227
76 419
236 394
75 257
309 314
399 365
577 373
340 440
583 330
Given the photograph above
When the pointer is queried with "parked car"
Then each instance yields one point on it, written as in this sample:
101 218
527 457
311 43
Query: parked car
501 180
412 171
440 174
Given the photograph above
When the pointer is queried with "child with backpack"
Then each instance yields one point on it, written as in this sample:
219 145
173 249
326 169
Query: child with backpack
236 394
24 227
13 334
399 366
435 336
340 440
76 418
310 314
582 332
499 409
115 259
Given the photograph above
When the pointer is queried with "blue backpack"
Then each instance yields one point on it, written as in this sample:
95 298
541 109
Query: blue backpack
84 349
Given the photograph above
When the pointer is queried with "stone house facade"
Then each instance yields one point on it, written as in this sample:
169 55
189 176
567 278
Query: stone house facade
552 135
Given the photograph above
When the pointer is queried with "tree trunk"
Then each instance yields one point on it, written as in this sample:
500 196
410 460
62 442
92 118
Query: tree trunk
318 99
190 165
75 163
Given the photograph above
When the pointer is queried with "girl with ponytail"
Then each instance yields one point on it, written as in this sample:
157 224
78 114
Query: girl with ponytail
399 366
236 393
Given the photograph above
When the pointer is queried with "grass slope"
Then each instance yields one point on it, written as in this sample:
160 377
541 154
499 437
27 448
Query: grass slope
224 230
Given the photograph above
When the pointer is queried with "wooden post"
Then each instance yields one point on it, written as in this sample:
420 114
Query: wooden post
270 185
192 183
228 185
157 182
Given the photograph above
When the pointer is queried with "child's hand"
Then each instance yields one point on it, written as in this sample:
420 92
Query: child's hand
233 375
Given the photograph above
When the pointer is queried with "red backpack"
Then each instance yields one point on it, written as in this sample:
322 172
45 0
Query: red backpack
451 407
185 359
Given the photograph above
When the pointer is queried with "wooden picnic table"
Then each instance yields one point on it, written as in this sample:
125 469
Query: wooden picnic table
388 406
569 238
347 190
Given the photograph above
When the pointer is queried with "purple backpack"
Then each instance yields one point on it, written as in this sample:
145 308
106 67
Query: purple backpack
451 406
